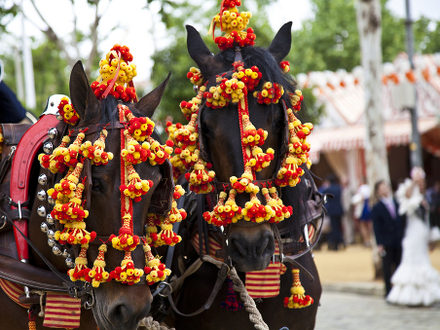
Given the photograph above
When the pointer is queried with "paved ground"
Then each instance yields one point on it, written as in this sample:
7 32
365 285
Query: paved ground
353 300
348 311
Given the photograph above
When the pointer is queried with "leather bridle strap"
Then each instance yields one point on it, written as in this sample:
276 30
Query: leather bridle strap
71 288
221 277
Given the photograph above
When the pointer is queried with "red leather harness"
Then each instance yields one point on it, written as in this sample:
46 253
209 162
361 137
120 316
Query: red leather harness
25 154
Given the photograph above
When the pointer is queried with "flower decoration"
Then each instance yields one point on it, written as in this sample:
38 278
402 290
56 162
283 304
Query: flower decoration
67 112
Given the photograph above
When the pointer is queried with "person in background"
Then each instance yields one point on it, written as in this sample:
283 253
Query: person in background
362 212
388 228
334 211
433 197
11 110
416 282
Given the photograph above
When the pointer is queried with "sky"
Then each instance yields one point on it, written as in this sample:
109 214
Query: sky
137 26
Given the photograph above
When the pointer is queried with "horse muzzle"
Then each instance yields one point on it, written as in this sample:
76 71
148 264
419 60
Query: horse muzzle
121 307
251 247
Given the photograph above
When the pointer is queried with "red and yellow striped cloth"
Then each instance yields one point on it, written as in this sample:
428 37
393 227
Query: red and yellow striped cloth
61 310
259 284
266 283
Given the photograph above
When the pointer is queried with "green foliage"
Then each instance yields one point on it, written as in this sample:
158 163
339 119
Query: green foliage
7 12
51 73
330 40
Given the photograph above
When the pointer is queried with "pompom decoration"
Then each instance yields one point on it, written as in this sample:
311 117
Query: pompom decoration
154 269
153 221
116 74
55 161
80 272
125 241
136 187
137 146
290 172
67 112
280 211
98 274
200 178
298 298
126 273
234 24
96 151
285 66
271 93
255 211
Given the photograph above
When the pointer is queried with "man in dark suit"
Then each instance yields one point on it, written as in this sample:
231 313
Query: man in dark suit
335 211
389 229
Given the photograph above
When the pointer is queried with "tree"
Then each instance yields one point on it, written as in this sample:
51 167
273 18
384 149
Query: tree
330 40
369 24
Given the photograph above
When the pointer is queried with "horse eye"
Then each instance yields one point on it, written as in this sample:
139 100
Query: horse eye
97 185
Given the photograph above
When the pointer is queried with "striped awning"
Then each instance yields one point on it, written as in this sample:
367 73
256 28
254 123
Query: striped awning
353 136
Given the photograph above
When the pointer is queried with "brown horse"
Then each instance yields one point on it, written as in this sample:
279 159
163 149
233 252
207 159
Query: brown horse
249 246
115 306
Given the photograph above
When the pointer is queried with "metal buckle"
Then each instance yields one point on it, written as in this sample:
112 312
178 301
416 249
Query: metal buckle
164 287
3 224
20 215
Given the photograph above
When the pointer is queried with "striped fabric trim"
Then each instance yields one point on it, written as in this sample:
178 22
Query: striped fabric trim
62 311
265 283
13 291
212 243
259 284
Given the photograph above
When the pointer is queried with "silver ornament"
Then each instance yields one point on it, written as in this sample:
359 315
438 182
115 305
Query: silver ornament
70 263
41 211
56 250
49 219
44 227
42 179
41 195
48 147
51 242
50 234
52 133
50 200
66 253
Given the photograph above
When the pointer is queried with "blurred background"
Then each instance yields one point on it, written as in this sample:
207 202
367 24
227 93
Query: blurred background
41 40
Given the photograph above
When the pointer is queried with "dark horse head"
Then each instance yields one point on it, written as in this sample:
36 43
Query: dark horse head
117 306
250 245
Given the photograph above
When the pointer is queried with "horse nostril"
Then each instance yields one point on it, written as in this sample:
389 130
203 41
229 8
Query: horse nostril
120 314
236 244
263 246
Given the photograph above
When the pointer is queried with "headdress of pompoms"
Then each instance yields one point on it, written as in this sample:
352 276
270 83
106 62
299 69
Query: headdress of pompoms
137 146
234 89
116 74
234 25
298 299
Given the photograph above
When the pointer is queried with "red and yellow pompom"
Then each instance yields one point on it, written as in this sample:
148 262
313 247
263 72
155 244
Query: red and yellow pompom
98 274
154 269
67 111
298 298
271 93
126 273
285 66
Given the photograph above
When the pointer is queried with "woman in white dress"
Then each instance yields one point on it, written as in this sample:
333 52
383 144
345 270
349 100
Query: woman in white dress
415 282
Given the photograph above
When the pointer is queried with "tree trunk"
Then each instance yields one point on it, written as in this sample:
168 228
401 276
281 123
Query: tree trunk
369 26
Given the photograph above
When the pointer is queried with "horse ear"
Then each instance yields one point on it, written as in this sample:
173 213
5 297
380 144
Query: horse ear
148 104
198 50
81 94
280 46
